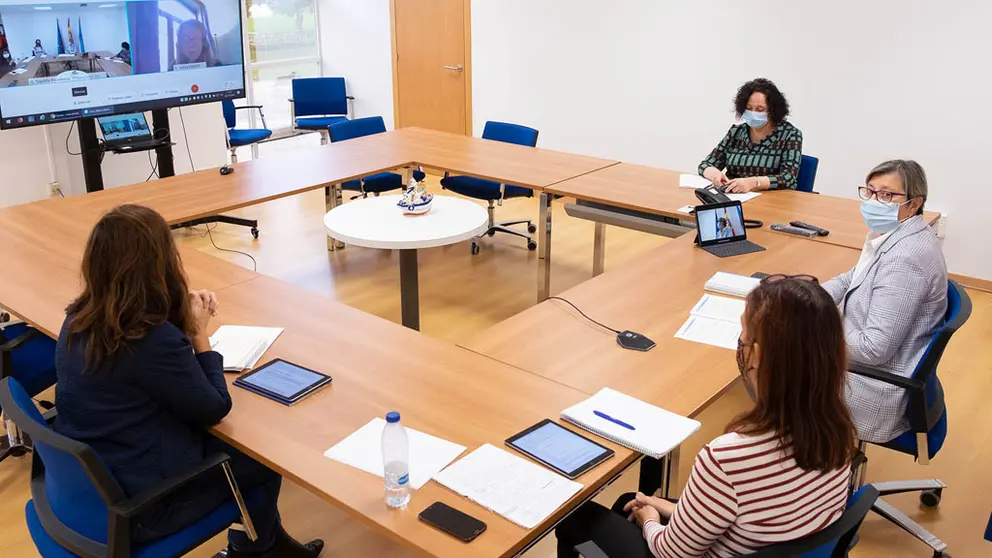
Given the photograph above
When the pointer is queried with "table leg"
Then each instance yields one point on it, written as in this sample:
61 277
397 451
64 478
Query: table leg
409 289
407 176
599 249
332 199
659 474
544 248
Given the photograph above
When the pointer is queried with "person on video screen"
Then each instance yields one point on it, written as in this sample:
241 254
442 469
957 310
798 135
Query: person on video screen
71 47
38 50
193 46
125 54
724 229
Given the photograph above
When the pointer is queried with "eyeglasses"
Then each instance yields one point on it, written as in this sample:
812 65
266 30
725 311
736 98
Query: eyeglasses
781 277
883 196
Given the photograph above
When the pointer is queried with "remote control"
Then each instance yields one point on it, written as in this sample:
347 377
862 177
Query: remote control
794 230
801 225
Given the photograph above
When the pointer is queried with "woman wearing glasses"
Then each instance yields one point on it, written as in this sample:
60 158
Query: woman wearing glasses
782 469
902 278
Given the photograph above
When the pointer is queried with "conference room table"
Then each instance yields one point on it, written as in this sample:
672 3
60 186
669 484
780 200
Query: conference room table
525 369
53 65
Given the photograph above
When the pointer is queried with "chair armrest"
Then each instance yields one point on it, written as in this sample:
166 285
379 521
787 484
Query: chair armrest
291 100
589 549
259 107
349 97
908 384
260 112
134 505
29 334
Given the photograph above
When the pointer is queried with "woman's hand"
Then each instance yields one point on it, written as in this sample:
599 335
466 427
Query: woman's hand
715 176
743 185
203 306
642 508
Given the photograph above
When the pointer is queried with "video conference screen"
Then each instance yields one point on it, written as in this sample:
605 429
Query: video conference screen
63 60
720 223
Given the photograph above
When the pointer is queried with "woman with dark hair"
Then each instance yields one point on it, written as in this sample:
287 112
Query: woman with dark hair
762 153
193 45
780 472
137 381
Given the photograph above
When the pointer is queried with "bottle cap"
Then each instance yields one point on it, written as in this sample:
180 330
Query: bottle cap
392 417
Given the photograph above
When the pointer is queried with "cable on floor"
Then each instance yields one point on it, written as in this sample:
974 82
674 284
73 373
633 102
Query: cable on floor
254 264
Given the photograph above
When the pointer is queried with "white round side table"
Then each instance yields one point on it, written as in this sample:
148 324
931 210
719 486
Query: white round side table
377 222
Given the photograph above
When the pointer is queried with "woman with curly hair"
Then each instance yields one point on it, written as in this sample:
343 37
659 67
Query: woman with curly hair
764 151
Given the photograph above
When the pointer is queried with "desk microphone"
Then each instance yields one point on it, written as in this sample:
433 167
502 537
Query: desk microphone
626 339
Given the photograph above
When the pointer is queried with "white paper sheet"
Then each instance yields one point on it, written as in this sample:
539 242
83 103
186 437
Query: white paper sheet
363 450
521 491
719 308
731 284
243 346
687 209
746 196
719 333
693 181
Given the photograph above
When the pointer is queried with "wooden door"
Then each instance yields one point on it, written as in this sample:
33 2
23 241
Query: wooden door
431 56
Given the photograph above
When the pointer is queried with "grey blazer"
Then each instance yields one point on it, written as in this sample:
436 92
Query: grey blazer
890 315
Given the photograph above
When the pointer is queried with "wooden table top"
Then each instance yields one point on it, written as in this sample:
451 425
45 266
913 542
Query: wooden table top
530 167
379 366
657 191
652 296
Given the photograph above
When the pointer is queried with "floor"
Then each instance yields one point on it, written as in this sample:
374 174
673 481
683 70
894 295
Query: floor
462 294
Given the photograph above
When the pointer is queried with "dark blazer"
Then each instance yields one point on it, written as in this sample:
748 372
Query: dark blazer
146 410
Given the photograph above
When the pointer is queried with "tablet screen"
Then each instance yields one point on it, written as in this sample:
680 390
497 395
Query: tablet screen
560 448
282 378
720 223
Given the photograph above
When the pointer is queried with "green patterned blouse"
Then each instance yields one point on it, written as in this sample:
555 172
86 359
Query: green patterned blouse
778 156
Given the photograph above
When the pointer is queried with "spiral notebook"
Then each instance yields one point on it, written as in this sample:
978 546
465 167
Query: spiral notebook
631 422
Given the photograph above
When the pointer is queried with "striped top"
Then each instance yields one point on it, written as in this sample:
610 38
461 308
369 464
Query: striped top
778 156
744 493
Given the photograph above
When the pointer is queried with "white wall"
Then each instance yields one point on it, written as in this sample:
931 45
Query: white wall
355 44
651 82
103 28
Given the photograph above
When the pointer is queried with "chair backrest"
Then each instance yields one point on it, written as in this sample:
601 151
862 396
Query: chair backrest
832 541
958 312
71 487
510 133
807 173
319 96
359 127
230 114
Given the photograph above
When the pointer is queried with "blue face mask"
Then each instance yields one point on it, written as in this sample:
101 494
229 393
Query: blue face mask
880 217
755 119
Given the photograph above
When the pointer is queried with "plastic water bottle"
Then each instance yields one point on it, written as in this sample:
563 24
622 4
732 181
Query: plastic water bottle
396 462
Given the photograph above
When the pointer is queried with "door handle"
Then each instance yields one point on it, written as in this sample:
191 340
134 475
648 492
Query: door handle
457 68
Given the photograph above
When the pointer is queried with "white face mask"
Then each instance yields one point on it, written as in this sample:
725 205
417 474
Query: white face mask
881 217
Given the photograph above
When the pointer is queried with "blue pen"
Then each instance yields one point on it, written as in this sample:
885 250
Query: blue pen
613 420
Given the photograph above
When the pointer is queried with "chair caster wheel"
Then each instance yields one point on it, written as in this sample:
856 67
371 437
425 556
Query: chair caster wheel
532 228
475 249
254 233
491 233
531 245
931 498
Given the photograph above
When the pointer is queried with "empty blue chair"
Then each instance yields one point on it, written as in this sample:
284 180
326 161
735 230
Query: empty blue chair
927 418
317 103
28 356
494 192
239 137
376 183
807 173
77 508
831 542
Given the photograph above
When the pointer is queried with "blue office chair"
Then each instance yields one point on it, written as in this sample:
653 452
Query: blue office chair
29 357
988 530
317 103
832 542
492 191
78 509
240 137
807 173
927 418
373 184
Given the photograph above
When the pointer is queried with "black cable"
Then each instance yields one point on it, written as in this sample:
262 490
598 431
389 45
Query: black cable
71 126
186 139
617 331
211 236
153 165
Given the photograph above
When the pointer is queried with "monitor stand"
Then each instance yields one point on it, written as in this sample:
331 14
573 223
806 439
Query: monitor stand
92 155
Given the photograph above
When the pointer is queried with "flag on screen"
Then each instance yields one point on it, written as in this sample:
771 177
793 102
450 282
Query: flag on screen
82 46
68 30
58 26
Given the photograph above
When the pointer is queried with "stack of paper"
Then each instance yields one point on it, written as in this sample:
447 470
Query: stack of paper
363 450
656 431
714 320
243 346
731 284
693 181
521 491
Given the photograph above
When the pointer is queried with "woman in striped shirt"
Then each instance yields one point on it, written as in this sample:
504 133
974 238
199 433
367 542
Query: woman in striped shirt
782 469
762 153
